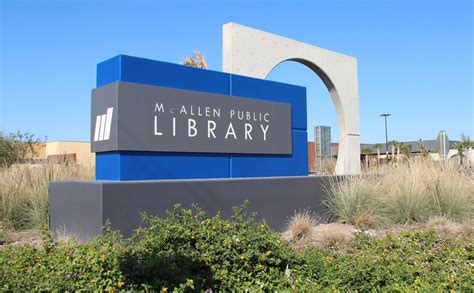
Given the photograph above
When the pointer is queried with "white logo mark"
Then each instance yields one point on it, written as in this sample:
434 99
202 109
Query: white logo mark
102 125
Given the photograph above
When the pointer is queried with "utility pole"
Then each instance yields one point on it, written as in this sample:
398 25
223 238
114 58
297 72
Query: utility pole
386 134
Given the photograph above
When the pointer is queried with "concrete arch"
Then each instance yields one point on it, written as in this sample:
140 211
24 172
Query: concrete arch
250 52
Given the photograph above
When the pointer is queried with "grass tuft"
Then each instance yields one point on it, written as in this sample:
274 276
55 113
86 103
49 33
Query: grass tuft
300 226
24 191
409 192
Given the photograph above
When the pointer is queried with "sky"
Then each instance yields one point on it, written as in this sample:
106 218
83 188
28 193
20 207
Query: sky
415 58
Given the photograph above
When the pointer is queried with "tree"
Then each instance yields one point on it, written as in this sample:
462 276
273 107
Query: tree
423 149
378 146
463 145
460 148
405 149
366 152
195 60
16 147
393 143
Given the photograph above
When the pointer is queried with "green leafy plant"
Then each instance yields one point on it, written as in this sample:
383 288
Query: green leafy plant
190 251
15 147
212 252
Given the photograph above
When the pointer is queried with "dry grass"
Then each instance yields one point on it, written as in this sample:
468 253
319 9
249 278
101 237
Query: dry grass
300 226
408 192
304 230
353 199
325 235
446 228
196 60
24 191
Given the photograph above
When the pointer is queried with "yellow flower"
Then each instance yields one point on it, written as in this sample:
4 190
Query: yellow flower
242 257
120 284
269 253
103 257
164 289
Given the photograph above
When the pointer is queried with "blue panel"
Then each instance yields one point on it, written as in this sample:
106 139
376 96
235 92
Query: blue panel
273 91
108 71
125 165
143 165
263 166
151 72
154 165
107 166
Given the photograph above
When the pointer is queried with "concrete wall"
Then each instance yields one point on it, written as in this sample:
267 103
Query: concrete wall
80 209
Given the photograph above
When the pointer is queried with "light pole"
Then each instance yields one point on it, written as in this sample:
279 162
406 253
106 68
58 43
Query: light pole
386 134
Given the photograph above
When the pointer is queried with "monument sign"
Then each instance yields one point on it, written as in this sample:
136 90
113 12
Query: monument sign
165 133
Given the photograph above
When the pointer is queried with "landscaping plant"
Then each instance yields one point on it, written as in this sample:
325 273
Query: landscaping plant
189 251
409 192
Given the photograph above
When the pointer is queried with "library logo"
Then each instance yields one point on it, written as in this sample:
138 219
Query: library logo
102 125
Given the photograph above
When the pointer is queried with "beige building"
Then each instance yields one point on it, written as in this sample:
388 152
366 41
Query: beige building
67 151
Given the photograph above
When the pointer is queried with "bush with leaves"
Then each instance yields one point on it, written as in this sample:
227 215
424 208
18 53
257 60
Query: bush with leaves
15 147
189 251
212 252
63 266
407 261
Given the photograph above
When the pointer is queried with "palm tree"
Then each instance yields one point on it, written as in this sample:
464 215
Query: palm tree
460 148
405 149
393 143
366 152
463 145
195 60
378 146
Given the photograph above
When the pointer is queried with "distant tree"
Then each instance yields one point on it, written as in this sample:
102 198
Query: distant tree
15 147
405 149
423 149
462 146
378 146
366 152
195 60
393 143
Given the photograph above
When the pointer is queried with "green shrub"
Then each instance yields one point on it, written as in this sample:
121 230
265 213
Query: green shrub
189 251
15 147
62 266
400 262
212 252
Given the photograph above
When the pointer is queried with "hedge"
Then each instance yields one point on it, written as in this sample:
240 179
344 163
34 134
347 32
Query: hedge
189 251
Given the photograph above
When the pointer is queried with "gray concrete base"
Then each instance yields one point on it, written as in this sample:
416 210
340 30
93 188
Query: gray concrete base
81 208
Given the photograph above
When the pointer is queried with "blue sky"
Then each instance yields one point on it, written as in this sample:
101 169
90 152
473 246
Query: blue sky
415 58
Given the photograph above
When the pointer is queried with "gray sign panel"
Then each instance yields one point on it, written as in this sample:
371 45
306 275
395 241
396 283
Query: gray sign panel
137 117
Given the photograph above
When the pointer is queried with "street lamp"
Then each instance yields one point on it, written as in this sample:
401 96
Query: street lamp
386 135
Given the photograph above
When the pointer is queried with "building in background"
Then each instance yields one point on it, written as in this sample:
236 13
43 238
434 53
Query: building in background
440 148
322 144
443 145
66 151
